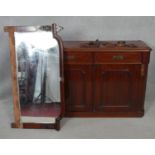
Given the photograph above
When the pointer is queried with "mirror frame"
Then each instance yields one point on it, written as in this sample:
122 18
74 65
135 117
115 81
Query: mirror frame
54 28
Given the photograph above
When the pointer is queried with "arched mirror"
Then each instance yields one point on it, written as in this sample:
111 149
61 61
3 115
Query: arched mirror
36 55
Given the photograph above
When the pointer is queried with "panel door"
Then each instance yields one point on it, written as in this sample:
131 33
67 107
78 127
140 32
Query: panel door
117 87
78 88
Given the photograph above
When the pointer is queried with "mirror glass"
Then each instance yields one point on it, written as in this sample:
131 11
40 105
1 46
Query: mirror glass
38 72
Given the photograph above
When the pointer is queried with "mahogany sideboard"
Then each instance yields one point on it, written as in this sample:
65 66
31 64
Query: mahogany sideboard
105 78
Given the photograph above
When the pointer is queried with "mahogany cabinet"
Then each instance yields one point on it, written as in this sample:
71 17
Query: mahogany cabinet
105 79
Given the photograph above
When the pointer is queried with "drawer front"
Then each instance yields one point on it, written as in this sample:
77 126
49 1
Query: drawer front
78 58
118 57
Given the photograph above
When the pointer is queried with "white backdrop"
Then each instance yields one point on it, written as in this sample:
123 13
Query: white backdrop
84 28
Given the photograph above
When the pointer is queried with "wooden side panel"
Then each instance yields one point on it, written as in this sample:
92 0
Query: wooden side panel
15 93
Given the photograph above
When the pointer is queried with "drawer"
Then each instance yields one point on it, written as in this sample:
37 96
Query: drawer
77 58
118 57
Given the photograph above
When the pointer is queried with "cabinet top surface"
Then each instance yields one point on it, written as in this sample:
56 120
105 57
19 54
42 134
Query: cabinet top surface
106 46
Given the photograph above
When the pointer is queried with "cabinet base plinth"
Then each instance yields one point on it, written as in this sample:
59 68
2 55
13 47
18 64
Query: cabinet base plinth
106 114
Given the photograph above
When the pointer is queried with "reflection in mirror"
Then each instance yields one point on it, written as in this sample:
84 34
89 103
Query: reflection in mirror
38 72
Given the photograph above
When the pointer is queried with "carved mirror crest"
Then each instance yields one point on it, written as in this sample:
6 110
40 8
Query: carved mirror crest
36 56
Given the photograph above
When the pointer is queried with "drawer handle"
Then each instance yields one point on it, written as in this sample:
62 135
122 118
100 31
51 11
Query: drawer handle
118 57
70 57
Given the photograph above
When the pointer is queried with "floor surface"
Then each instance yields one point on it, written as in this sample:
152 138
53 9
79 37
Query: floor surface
80 128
